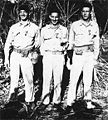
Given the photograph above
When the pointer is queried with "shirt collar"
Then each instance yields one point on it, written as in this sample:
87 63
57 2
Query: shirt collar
24 23
54 27
82 22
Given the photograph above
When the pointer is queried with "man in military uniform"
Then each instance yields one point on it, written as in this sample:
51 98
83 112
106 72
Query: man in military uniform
84 40
53 45
22 38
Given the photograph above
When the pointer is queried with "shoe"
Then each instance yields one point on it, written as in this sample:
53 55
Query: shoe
49 107
30 106
58 107
90 105
67 110
42 107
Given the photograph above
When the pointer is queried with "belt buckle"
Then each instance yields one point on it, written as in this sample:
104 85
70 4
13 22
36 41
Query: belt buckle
54 53
57 52
79 52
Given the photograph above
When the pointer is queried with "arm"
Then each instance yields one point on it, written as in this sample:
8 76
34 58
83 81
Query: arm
71 42
96 42
8 45
42 42
37 38
71 38
64 42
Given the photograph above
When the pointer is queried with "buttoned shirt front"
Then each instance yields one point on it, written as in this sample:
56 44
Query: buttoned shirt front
52 37
83 33
22 35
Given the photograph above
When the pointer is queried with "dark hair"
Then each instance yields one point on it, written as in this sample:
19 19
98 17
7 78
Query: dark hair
24 7
54 10
86 4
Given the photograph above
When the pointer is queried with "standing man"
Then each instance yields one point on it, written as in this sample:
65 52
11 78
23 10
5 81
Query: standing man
53 45
84 40
23 38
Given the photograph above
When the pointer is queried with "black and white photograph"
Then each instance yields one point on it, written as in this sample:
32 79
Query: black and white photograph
53 59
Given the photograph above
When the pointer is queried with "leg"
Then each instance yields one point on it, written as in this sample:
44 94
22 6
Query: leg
87 76
87 79
75 72
14 71
58 65
27 72
47 76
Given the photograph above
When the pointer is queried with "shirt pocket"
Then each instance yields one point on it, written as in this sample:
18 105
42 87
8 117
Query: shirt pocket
16 33
59 35
79 31
48 35
30 33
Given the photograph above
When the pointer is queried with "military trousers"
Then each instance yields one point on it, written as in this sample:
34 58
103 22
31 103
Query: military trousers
52 69
81 63
17 61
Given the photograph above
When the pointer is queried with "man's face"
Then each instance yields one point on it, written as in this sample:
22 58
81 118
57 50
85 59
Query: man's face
54 17
86 13
23 15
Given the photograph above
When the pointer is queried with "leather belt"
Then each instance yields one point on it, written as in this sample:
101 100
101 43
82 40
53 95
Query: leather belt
24 52
79 50
54 52
21 50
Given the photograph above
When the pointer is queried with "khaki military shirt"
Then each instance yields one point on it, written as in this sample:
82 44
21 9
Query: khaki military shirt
82 33
22 35
52 37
